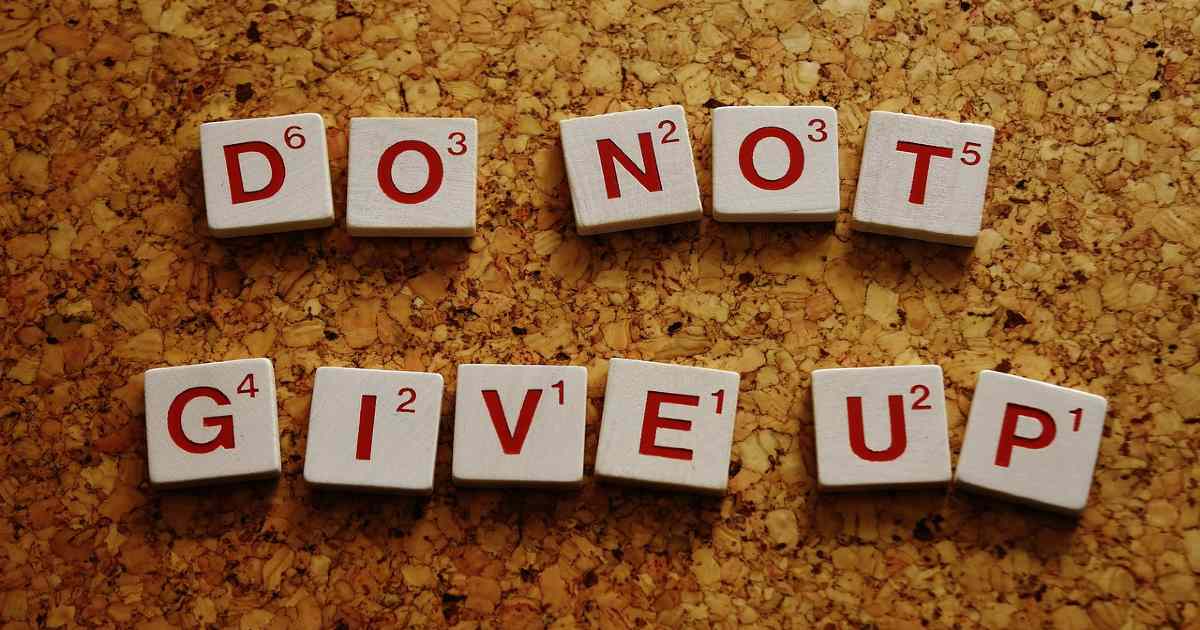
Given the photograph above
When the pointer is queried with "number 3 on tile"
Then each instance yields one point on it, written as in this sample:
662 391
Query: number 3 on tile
459 140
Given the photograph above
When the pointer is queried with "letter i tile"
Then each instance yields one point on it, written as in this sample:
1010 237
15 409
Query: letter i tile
212 422
264 175
880 427
668 426
519 425
373 430
1031 442
923 178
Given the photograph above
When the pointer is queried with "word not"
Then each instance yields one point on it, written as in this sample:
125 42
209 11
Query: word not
662 425
920 177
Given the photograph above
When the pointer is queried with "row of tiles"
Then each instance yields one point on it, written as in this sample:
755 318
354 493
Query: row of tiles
920 177
662 425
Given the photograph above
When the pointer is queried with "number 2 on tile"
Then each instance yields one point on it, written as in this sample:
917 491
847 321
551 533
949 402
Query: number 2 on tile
920 404
405 403
670 127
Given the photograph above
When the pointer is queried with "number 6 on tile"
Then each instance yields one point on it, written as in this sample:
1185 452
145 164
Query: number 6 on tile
373 430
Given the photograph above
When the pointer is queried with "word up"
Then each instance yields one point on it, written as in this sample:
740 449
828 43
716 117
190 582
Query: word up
663 426
920 177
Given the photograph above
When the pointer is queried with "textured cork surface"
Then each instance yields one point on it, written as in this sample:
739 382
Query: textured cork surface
1085 275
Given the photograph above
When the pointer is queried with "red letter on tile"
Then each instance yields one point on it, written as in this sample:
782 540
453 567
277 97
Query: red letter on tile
1008 432
511 442
433 181
611 153
795 158
652 422
858 441
233 165
924 152
224 438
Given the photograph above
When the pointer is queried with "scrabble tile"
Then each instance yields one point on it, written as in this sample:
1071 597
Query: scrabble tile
1031 441
212 422
264 175
519 425
667 426
630 169
373 430
775 164
880 427
412 177
923 178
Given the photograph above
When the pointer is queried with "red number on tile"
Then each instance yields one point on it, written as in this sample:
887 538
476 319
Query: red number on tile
920 404
292 134
406 403
247 386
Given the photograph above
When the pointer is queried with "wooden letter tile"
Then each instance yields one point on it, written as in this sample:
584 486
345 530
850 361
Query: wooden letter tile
923 178
519 425
667 426
630 169
775 164
881 427
373 430
264 175
1031 441
212 422
412 177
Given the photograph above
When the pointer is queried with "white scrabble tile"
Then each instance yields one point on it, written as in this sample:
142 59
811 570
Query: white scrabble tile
1031 441
373 430
264 175
519 425
630 169
212 422
667 426
775 163
923 178
412 177
881 427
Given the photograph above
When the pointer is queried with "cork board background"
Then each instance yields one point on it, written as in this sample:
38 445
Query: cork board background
1085 275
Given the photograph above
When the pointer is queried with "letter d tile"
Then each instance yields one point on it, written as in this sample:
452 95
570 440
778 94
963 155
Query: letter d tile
264 175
